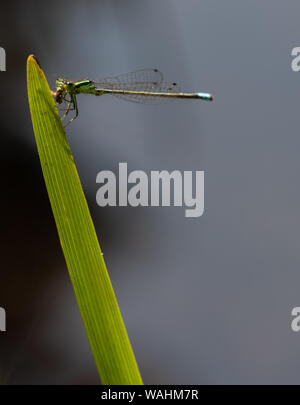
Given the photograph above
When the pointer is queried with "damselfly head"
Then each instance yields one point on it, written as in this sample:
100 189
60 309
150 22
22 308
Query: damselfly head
62 87
60 90
64 84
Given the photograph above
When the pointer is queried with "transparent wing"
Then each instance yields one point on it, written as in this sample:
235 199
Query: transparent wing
139 76
149 80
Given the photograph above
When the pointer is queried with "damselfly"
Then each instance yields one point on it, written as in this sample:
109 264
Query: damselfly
143 86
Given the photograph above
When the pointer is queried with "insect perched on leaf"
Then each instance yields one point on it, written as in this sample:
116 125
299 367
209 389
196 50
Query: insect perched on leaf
143 86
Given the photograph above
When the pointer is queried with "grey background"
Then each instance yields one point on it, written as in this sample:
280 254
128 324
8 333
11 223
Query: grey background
207 300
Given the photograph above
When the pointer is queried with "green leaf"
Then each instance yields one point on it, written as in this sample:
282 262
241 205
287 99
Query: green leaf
95 296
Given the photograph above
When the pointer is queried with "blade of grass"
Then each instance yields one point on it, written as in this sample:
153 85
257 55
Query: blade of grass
95 296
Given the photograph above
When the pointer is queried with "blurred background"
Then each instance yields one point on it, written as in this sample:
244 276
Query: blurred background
205 300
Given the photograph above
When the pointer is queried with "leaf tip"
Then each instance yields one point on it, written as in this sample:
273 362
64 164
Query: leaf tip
32 59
